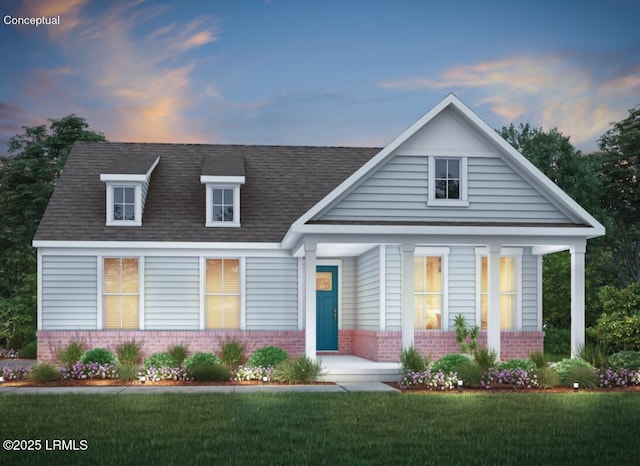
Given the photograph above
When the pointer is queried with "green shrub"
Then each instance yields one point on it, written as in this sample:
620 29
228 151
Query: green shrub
563 368
466 337
485 358
585 376
517 364
537 357
179 353
29 351
557 340
232 353
547 377
199 359
71 353
99 355
44 372
160 360
449 363
595 355
619 323
625 360
470 373
301 370
129 352
127 371
267 356
412 361
210 372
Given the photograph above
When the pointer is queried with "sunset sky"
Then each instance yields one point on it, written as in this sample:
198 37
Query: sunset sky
316 72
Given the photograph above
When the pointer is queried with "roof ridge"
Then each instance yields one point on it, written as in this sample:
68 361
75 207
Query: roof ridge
226 145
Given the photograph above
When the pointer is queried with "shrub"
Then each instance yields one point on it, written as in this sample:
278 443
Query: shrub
199 359
537 357
517 364
595 355
557 340
470 373
210 372
267 356
619 323
232 353
30 350
127 371
160 360
485 358
547 377
412 361
71 353
90 370
301 370
449 363
99 355
563 368
179 353
585 376
44 372
467 338
625 360
129 352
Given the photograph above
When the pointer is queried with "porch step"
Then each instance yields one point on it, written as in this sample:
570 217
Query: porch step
389 375
344 369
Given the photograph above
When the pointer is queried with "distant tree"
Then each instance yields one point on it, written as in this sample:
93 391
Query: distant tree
620 193
27 179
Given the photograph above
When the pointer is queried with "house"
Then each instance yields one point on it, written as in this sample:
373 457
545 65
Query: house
317 250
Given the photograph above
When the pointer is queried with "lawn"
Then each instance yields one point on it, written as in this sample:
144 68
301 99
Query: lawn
304 428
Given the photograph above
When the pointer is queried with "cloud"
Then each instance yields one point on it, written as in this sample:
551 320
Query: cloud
70 12
552 91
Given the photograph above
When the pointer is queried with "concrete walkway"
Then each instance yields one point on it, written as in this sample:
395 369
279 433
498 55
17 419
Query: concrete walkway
149 389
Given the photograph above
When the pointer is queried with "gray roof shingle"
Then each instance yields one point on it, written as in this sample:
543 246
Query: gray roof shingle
282 183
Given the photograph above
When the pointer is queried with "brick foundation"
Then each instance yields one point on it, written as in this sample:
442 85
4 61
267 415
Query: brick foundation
513 344
158 341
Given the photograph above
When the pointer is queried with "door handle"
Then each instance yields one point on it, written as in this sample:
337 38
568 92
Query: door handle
335 314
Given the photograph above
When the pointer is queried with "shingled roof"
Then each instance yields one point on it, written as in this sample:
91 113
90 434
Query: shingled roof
282 182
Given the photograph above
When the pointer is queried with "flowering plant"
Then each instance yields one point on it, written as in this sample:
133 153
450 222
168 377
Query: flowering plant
157 373
15 372
610 378
428 380
252 373
8 354
518 378
91 370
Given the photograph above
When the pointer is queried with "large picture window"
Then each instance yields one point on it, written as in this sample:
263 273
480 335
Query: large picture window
428 292
121 293
507 293
223 294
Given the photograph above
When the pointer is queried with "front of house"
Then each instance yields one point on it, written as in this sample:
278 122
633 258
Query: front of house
318 250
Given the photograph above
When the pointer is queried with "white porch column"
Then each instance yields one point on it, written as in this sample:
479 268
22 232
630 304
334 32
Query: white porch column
493 298
407 294
577 298
310 300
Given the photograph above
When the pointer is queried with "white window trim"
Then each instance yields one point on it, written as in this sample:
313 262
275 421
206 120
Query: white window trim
464 183
504 252
203 293
443 253
137 221
210 222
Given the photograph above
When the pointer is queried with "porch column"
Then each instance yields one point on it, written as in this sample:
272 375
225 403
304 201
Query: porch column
577 298
407 294
310 300
493 298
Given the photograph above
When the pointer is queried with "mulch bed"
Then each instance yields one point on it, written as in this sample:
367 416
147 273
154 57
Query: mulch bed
513 389
135 383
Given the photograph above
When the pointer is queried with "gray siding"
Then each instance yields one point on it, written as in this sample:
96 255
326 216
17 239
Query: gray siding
368 290
349 293
172 293
272 293
398 191
462 284
393 279
69 293
529 291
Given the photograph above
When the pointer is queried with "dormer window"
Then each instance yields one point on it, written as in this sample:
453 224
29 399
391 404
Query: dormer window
124 203
222 176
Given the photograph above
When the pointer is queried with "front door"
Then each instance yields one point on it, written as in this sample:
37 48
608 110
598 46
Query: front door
327 307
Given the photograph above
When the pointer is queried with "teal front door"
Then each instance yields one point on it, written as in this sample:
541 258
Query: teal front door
327 307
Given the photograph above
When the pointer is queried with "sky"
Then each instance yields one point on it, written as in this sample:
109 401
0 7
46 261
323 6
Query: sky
327 73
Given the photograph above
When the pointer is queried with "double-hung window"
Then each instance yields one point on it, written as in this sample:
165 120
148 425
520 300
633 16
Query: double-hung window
428 292
124 203
223 203
121 292
222 294
510 294
447 184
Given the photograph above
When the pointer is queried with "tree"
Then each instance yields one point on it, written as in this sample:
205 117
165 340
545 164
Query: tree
27 179
619 193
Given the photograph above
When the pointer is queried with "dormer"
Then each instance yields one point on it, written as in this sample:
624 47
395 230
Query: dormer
127 185
222 176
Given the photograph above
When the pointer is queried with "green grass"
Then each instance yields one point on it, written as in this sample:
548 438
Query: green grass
303 428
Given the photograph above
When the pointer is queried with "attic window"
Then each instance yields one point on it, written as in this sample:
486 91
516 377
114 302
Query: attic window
124 205
222 176
448 182
225 206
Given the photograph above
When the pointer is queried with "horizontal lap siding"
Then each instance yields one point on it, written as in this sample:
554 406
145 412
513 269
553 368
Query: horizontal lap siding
69 293
393 264
398 191
349 293
368 290
462 285
530 292
172 290
272 293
